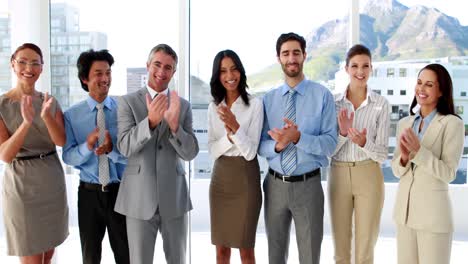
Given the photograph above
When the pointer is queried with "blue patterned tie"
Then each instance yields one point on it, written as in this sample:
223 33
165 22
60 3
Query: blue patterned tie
288 159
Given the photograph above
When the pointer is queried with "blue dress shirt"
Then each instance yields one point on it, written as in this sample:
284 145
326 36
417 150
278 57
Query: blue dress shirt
80 120
316 120
427 120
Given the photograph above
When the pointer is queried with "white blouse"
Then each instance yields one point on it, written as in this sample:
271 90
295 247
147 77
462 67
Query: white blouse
374 115
247 137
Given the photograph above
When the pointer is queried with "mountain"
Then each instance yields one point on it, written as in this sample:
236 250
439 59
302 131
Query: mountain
389 29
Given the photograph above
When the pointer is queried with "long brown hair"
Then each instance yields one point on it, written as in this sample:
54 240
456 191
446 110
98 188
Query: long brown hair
445 105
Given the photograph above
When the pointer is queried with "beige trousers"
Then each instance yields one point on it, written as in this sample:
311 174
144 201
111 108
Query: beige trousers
423 247
355 187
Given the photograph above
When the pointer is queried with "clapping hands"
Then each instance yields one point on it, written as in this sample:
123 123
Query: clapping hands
409 144
27 109
28 112
228 118
158 110
345 124
46 105
289 133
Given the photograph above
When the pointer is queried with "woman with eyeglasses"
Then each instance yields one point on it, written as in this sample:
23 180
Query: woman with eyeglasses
34 195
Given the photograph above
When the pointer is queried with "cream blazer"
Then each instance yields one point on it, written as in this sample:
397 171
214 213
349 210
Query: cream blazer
423 201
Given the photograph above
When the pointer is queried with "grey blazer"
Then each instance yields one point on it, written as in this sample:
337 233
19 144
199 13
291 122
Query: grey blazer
154 176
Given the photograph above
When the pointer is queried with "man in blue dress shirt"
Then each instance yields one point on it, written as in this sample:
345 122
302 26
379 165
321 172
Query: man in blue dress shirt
91 129
299 134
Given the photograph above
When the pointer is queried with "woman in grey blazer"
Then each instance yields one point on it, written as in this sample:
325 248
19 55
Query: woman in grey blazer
430 144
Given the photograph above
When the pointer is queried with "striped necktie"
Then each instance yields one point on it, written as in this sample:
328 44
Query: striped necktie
104 177
289 155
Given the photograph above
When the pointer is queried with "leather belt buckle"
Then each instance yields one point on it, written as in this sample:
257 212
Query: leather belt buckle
104 188
42 156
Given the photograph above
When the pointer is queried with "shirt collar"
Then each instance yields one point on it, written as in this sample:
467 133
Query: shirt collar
92 103
153 93
370 96
429 117
299 88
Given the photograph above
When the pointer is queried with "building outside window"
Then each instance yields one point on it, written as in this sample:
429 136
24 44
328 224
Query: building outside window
79 25
402 72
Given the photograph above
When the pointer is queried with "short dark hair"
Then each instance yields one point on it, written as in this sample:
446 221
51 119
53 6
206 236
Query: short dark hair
445 105
85 61
357 49
217 89
287 37
166 49
30 46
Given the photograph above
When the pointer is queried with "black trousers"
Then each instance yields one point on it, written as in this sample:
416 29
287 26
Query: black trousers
95 214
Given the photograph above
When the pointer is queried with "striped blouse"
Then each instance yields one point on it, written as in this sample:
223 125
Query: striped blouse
374 115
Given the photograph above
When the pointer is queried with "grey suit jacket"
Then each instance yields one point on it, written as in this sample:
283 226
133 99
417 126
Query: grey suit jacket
154 176
423 201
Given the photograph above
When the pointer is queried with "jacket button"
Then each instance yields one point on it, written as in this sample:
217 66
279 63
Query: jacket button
159 147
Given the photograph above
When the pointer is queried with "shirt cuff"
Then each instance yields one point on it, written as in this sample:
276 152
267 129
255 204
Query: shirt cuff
113 155
239 137
83 149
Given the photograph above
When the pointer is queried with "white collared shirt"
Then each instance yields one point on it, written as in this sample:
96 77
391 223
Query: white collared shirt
374 115
247 137
152 92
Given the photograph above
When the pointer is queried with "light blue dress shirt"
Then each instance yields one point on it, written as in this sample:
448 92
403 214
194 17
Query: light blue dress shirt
427 120
316 120
80 120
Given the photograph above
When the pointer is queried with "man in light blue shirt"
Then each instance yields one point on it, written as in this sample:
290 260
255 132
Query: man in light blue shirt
299 134
91 129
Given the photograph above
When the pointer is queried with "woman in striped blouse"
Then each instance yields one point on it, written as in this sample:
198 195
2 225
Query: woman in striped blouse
356 184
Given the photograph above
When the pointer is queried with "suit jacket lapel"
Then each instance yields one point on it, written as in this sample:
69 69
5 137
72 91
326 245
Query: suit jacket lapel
142 97
432 131
408 124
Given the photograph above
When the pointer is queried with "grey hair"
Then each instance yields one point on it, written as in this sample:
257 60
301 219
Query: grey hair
166 49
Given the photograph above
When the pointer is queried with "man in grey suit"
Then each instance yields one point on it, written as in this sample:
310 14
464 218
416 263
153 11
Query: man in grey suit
155 133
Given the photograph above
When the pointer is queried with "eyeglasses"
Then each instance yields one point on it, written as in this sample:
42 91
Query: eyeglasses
24 63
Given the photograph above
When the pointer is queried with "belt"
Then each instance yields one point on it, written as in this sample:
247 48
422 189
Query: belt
351 163
40 156
295 178
99 187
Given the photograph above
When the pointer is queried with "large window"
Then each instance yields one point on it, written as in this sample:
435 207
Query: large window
5 48
128 30
5 84
251 28
403 36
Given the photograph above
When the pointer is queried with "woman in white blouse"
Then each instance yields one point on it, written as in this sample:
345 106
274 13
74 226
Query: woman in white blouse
355 184
235 122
